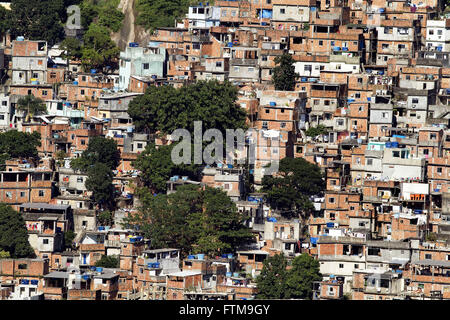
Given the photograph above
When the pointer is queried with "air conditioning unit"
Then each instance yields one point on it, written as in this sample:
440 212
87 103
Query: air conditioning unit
283 40
266 39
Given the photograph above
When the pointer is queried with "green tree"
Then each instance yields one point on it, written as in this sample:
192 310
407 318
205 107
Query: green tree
38 19
157 167
4 254
100 149
68 239
316 131
192 219
299 282
72 47
32 106
5 19
289 191
13 233
99 51
18 144
271 283
284 75
105 218
99 181
108 262
165 109
160 13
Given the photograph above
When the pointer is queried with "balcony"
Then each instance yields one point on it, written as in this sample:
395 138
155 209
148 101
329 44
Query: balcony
55 290
244 62
345 59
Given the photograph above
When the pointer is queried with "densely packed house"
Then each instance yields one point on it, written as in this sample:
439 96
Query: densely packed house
375 74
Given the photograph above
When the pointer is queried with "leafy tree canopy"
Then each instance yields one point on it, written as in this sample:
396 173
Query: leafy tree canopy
192 219
284 75
99 181
272 280
316 131
299 284
108 262
165 109
31 105
160 13
16 144
276 282
157 167
13 233
289 191
38 19
100 149
99 51
73 48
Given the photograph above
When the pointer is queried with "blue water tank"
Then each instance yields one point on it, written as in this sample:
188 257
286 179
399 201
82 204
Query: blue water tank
201 256
93 268
93 71
228 274
75 83
191 256
99 269
236 274
273 104
230 256
20 38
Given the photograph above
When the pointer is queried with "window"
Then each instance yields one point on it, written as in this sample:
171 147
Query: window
79 179
369 162
331 200
22 194
41 193
341 266
282 11
146 66
139 145
428 256
82 91
320 42
45 241
9 194
356 266
23 266
83 142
